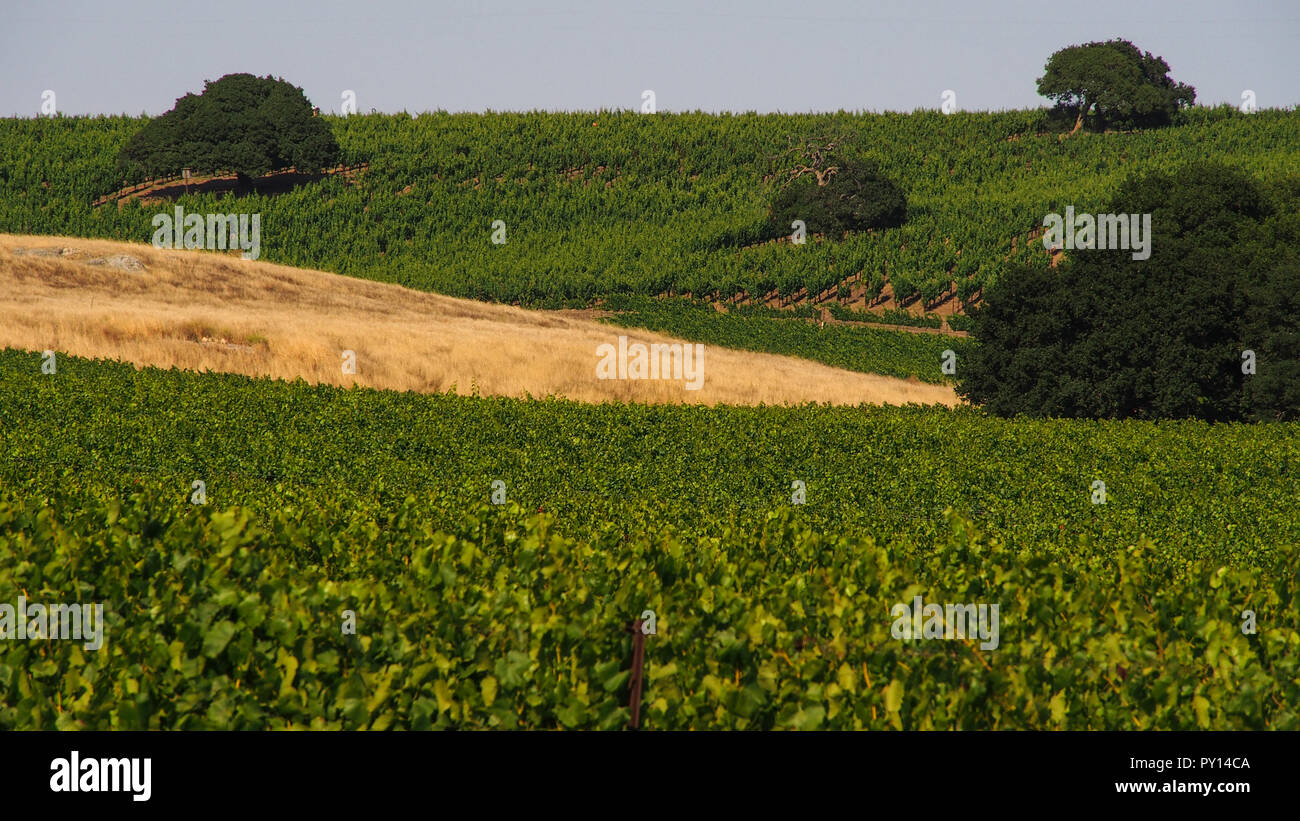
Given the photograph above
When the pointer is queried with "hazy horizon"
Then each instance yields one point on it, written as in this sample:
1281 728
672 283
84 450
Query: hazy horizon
479 55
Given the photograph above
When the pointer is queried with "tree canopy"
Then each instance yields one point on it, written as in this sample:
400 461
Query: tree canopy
241 123
1113 84
1105 335
837 194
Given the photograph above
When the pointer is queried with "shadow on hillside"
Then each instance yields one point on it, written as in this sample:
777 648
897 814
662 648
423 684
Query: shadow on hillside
271 184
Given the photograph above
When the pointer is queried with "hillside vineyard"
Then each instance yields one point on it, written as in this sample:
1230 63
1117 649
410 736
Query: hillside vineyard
589 205
282 554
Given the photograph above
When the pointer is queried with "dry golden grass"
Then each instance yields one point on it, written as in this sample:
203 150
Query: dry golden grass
208 311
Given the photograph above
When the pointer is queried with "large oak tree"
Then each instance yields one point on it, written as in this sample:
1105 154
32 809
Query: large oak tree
833 192
241 123
1113 84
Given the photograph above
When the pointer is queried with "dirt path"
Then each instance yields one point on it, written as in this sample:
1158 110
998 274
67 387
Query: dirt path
945 331
597 313
276 182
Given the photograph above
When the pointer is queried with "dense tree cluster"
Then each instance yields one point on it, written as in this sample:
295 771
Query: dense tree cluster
1207 327
241 123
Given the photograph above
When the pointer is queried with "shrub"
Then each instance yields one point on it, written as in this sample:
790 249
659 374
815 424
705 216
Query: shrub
1108 336
849 195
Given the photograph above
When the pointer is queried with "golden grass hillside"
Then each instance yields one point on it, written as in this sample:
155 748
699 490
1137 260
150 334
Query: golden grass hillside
207 311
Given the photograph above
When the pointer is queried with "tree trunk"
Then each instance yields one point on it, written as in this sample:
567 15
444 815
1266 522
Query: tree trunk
1078 123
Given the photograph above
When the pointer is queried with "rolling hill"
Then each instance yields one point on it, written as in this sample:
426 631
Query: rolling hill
205 311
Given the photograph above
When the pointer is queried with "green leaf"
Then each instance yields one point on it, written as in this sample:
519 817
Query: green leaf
442 692
614 682
1202 707
217 637
809 718
894 696
847 678
1058 707
289 667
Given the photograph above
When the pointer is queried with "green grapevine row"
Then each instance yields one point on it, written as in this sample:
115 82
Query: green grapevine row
322 502
612 202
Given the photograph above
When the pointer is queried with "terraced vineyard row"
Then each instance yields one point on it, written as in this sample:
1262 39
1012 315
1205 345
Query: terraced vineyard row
868 350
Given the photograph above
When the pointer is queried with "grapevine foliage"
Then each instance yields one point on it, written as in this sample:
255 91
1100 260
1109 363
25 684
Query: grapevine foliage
770 614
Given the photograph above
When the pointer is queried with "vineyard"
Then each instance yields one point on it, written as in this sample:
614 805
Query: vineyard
781 331
493 554
616 203
771 613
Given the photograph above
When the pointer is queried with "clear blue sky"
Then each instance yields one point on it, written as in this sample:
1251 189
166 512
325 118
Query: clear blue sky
114 56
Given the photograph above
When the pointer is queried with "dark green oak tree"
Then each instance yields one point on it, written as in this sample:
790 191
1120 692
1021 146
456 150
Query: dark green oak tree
1113 84
833 193
1104 335
241 123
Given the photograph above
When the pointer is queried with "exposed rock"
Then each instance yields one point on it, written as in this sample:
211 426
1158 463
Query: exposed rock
47 252
222 342
120 262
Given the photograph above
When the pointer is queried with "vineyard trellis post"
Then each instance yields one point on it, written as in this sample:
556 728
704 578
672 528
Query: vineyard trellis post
638 669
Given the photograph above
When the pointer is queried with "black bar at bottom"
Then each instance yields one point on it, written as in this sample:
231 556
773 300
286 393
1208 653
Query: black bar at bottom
537 771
